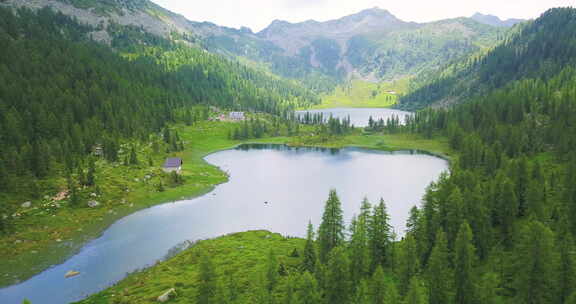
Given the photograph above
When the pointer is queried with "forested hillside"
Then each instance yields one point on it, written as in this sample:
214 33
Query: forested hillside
499 228
63 95
320 55
537 50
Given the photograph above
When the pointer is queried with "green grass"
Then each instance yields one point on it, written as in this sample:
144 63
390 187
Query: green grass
42 238
363 94
388 142
238 259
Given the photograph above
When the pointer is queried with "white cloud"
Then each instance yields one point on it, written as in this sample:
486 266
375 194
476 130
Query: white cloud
258 14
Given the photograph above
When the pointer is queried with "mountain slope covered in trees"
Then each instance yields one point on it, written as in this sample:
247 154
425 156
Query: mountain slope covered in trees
63 95
319 54
540 49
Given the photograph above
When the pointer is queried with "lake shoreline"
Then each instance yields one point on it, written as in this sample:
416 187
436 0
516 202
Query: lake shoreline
95 231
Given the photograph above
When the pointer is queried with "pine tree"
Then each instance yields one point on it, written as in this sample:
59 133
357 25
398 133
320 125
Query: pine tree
338 284
309 250
331 231
535 265
380 236
464 259
439 272
206 281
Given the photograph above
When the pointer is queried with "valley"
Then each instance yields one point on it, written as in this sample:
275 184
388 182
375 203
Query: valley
357 159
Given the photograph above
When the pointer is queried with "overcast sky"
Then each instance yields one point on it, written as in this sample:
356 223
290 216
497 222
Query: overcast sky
257 14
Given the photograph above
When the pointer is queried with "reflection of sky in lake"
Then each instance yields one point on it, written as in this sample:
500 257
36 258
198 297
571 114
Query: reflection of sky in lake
294 182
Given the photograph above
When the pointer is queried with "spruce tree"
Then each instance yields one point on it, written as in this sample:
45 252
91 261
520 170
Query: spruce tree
331 231
535 265
464 259
439 272
338 285
379 286
380 235
408 263
359 249
309 250
362 295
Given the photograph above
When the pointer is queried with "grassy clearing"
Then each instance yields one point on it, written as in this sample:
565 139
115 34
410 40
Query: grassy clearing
238 259
363 94
387 142
46 238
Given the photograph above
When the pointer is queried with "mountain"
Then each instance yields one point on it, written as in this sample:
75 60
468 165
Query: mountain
372 44
495 21
540 49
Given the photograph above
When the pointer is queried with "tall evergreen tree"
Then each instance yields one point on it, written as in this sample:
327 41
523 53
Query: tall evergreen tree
331 231
310 250
464 259
408 264
380 235
359 248
535 265
439 272
379 286
338 285
416 292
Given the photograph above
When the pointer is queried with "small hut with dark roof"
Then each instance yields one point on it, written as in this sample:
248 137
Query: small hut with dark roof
173 164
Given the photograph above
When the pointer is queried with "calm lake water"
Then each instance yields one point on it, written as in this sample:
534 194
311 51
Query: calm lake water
294 181
359 117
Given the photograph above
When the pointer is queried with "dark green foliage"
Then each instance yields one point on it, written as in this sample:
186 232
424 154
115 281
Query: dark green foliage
520 56
536 262
338 283
310 256
331 231
439 272
464 262
380 233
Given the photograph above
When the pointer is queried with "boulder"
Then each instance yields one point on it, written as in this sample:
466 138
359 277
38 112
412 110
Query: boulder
26 204
71 273
167 295
93 204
